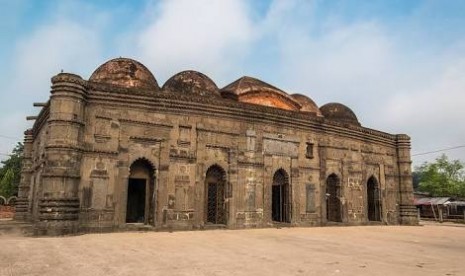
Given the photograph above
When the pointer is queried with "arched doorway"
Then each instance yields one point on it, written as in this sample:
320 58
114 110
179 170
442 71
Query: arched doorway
373 200
280 198
333 203
215 184
141 197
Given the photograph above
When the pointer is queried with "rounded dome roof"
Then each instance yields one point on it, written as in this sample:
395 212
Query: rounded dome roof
308 105
255 91
339 112
125 72
192 82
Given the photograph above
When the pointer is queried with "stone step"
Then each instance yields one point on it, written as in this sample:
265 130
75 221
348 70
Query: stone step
137 227
16 228
214 226
277 224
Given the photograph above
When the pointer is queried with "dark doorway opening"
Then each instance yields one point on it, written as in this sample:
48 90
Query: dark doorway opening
373 200
216 205
136 200
280 198
140 206
333 203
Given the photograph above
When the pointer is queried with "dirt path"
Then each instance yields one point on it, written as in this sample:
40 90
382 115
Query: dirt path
372 250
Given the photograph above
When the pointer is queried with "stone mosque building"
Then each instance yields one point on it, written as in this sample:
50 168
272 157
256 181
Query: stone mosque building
119 152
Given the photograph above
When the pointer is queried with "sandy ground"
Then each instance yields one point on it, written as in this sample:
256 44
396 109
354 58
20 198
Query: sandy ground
371 250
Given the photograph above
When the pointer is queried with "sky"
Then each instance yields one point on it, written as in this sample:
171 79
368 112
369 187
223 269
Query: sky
399 65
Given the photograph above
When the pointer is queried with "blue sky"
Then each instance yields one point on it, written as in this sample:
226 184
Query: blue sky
400 65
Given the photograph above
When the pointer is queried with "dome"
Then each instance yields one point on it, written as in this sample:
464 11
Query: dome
255 91
247 85
339 112
192 82
308 105
126 73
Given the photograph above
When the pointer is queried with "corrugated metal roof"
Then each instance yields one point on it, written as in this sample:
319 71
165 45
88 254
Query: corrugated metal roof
458 203
431 200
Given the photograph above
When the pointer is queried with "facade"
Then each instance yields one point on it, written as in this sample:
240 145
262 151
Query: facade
117 151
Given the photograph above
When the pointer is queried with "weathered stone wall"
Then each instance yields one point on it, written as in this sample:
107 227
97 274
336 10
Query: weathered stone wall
188 145
39 158
87 150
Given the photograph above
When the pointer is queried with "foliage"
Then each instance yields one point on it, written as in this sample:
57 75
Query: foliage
10 172
442 177
416 179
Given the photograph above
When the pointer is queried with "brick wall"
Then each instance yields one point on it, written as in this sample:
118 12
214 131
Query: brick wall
6 211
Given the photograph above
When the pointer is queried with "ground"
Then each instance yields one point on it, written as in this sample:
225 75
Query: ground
432 249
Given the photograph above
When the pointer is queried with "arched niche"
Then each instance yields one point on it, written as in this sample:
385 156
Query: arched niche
280 197
333 202
141 193
215 195
373 200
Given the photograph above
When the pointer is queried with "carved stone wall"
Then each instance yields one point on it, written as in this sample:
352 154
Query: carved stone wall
182 136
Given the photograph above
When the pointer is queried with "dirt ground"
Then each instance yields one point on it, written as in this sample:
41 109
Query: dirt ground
371 250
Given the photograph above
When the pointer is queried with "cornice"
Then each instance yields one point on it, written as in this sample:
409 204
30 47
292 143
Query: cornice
176 103
68 78
191 104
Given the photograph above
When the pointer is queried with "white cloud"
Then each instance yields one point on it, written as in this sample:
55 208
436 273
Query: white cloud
50 48
392 83
209 36
346 58
375 71
432 113
59 46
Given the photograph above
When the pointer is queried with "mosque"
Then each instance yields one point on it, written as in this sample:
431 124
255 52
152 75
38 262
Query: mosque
118 152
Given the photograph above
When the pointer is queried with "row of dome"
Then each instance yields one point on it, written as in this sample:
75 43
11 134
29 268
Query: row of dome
130 73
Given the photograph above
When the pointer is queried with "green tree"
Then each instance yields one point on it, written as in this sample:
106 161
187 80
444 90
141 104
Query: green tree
10 172
442 177
416 179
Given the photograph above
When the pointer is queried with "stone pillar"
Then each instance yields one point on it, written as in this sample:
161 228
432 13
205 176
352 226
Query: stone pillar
295 184
164 185
322 153
58 201
121 190
344 192
267 189
199 186
383 192
407 210
22 212
231 186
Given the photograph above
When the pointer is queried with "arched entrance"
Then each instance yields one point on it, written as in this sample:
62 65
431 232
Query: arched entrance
280 197
215 184
333 203
373 200
141 197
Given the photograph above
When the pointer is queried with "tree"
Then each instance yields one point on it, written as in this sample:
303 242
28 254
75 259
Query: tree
10 172
442 177
416 179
